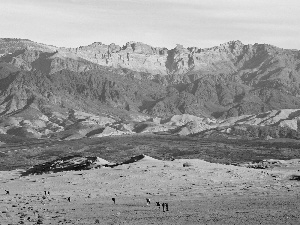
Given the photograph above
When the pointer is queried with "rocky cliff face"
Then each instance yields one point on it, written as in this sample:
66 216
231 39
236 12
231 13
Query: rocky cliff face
226 58
144 58
258 65
134 55
231 79
248 64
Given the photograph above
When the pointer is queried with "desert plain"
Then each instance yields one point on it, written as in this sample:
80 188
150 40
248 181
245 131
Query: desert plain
198 192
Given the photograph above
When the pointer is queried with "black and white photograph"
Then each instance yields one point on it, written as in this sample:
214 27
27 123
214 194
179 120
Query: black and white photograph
162 112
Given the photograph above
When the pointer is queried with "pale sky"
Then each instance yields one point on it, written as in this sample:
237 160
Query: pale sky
160 23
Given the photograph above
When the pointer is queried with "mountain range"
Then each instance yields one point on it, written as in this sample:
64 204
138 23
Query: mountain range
46 89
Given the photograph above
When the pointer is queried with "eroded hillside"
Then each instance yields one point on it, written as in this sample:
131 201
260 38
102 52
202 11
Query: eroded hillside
43 88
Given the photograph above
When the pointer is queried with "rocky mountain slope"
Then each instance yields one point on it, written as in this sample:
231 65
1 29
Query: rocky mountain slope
32 95
43 87
232 77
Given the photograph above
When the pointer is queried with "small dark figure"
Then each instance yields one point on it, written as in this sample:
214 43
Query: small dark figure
7 192
148 201
69 199
114 200
48 192
158 204
45 192
167 206
163 206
